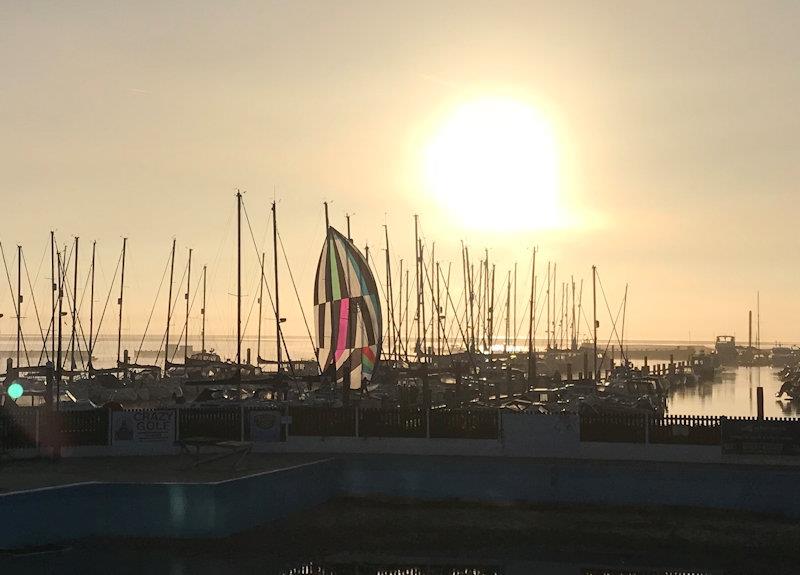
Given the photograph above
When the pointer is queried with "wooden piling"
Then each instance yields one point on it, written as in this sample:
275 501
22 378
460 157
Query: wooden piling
760 402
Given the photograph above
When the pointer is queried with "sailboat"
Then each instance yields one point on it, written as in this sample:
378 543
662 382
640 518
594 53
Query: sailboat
347 314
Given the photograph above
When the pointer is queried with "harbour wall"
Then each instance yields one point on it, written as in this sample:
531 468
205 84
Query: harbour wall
209 510
163 510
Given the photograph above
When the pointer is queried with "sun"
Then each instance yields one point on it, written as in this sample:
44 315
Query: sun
493 165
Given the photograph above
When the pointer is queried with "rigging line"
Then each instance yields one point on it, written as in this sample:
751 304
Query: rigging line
614 324
608 307
524 316
500 324
173 309
299 303
66 259
79 333
35 307
78 329
52 325
258 254
586 321
105 305
17 306
540 315
263 276
396 333
36 277
442 325
253 303
524 313
460 330
152 311
438 314
78 311
458 304
36 281
608 344
41 263
427 276
400 318
288 357
191 307
373 268
62 274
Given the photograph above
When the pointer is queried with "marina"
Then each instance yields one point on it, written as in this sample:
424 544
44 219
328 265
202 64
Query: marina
385 288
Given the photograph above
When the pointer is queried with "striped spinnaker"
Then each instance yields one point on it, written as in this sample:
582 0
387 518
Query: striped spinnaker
347 311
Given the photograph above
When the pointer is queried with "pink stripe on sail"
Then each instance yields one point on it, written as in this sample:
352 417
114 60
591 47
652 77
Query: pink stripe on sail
344 315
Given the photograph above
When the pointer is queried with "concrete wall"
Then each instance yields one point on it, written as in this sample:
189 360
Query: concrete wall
756 489
218 509
51 515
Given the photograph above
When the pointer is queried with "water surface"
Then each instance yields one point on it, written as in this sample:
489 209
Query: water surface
733 393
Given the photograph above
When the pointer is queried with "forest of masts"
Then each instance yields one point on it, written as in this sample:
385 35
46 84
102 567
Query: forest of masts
431 321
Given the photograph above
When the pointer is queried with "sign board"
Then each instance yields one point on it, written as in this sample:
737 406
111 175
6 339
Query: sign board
265 426
143 427
763 437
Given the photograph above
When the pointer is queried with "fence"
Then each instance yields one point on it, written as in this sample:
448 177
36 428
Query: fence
685 430
392 423
614 428
456 423
323 421
436 423
32 427
217 422
669 429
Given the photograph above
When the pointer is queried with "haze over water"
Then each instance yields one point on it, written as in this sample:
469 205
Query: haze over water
732 394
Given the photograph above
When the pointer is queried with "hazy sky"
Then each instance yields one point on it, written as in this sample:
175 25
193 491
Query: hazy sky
676 127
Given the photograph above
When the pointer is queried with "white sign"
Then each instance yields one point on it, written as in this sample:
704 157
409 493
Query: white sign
143 427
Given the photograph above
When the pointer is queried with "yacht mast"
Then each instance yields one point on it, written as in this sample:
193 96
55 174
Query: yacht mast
260 308
60 327
239 290
390 298
203 313
594 324
169 307
531 322
74 312
417 280
119 302
53 292
278 319
547 325
91 311
19 302
186 319
508 311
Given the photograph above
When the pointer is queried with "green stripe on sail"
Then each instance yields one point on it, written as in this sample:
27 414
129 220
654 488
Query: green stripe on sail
357 268
336 292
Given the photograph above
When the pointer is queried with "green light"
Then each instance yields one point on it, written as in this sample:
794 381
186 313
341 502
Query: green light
15 391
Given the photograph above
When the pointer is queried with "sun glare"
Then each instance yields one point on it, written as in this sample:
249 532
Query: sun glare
493 165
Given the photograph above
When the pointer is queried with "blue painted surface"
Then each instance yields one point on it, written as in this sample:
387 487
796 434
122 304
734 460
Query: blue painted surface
741 488
163 509
220 509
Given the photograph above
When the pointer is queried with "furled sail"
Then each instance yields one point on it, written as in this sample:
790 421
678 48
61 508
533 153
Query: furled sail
347 311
